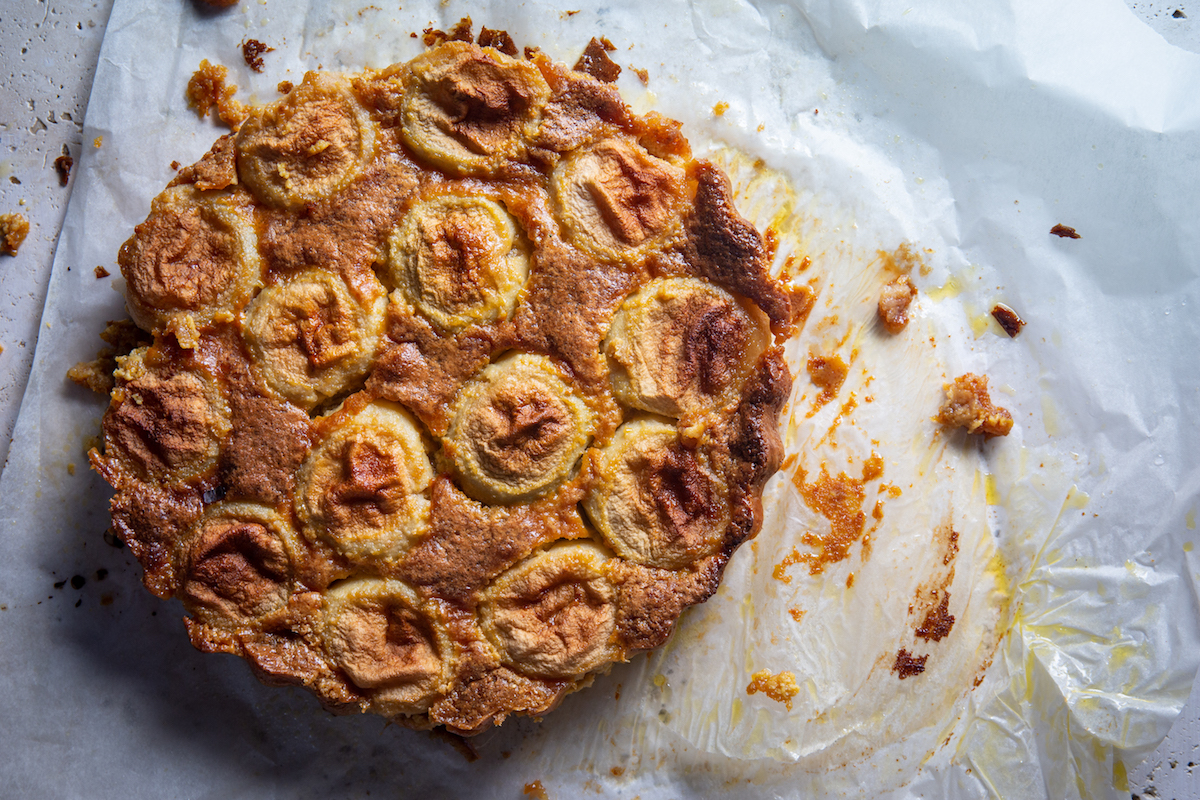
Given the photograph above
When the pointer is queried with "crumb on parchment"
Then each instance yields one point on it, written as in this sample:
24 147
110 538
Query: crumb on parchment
206 89
894 300
13 230
122 337
781 688
968 405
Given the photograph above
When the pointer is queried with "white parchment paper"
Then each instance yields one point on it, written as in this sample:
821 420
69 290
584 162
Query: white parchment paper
965 130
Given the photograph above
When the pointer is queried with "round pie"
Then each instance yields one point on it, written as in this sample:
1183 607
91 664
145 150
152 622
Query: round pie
465 382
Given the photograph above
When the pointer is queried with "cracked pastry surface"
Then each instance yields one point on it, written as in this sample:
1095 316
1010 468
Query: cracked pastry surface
464 384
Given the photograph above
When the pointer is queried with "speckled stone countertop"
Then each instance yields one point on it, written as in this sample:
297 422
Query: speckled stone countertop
49 50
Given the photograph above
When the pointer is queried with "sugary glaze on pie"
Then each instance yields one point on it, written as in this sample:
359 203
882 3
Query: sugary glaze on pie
464 383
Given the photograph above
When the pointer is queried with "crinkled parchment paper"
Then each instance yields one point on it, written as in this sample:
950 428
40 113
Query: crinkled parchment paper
961 131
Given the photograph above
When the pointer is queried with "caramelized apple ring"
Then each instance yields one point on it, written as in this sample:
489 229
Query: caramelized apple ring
616 201
306 146
682 347
458 260
518 430
361 488
196 255
311 338
238 565
388 642
554 614
470 110
655 501
166 426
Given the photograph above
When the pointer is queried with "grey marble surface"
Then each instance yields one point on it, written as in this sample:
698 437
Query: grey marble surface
49 49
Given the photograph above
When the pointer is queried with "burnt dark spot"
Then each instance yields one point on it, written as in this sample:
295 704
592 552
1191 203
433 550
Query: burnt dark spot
59 584
101 574
77 581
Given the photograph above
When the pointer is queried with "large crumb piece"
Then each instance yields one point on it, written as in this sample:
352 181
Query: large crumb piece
781 688
595 60
252 53
894 301
206 89
122 337
13 230
1065 231
969 406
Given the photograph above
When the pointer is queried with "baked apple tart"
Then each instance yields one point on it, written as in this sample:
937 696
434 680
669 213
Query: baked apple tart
464 383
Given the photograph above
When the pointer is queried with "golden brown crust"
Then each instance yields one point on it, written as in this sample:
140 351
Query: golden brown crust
426 298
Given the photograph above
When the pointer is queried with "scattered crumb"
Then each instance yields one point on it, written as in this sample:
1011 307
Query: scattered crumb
720 108
252 53
283 87
781 688
1065 232
97 375
968 405
1179 14
101 272
98 142
907 665
13 230
797 613
894 300
829 374
221 3
595 60
937 622
1008 319
536 790
461 32
499 40
206 89
617 771
568 14
531 52
643 75
70 469
63 165
175 166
